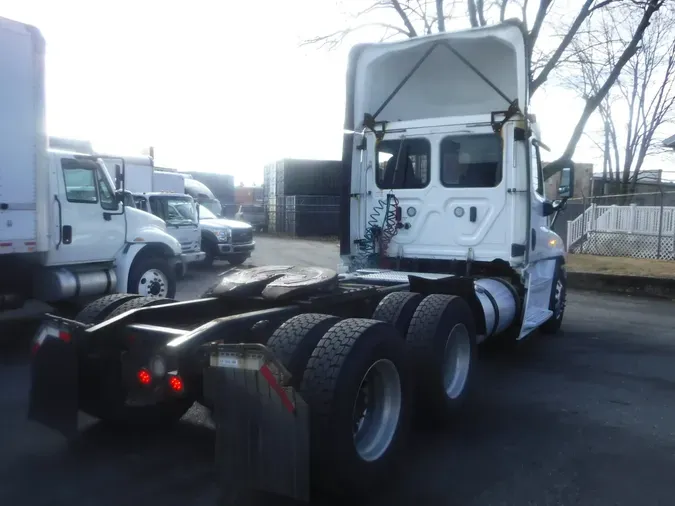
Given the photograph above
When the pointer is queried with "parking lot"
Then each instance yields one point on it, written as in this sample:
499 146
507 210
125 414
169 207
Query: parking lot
583 418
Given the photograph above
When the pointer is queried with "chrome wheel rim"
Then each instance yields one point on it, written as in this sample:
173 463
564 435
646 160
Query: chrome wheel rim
377 409
456 361
153 283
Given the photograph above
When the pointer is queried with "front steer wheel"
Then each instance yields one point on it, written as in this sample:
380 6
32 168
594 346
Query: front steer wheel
359 390
152 276
558 300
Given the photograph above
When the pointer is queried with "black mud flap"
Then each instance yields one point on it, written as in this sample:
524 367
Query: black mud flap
262 426
53 398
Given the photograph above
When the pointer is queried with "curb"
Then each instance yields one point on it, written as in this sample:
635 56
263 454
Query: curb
663 288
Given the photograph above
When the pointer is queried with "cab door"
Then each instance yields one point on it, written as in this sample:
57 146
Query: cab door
87 223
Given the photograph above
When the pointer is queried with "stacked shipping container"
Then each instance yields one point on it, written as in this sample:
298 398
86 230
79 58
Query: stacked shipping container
301 196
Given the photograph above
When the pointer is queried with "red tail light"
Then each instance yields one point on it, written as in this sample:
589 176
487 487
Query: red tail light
65 336
144 377
176 384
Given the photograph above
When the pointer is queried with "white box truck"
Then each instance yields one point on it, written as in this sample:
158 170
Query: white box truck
162 194
64 234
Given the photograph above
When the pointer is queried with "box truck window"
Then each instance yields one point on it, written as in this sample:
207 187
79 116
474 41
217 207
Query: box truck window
180 212
403 163
80 182
471 161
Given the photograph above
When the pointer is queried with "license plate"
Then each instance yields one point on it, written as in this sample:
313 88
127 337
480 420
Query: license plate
53 399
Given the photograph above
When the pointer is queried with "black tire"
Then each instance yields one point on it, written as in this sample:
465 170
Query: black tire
137 303
111 409
330 385
144 264
237 259
398 309
438 320
100 309
211 251
294 341
558 300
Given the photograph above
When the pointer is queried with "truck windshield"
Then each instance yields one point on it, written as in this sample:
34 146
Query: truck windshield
205 214
180 212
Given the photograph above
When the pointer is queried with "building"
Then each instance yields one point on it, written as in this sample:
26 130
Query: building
670 142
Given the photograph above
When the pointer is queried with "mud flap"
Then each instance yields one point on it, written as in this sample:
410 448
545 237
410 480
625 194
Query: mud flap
262 426
53 398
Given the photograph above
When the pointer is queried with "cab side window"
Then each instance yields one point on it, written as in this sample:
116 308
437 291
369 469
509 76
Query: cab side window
537 171
105 192
80 182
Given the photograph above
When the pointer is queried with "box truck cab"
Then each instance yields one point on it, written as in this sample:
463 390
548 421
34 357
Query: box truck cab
63 232
179 212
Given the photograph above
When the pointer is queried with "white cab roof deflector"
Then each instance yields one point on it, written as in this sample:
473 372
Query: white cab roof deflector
443 85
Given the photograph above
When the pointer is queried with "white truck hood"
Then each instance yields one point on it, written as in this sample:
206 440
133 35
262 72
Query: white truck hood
443 85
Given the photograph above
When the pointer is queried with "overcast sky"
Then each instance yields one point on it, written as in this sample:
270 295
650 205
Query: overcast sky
212 85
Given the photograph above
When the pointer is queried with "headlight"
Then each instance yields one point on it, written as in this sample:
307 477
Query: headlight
224 235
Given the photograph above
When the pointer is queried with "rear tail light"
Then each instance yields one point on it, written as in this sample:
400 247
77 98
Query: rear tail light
176 384
144 377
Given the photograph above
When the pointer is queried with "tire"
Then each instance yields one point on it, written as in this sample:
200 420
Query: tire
110 408
439 321
98 310
398 309
137 303
294 342
237 259
558 300
330 385
211 251
163 277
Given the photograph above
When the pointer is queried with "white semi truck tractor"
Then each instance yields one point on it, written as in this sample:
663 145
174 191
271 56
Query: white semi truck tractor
64 235
313 375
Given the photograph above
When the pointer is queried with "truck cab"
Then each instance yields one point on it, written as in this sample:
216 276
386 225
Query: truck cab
179 212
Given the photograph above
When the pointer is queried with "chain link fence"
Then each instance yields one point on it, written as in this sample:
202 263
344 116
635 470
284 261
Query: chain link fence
639 225
303 215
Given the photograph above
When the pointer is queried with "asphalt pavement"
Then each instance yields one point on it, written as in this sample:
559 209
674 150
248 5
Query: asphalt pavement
586 417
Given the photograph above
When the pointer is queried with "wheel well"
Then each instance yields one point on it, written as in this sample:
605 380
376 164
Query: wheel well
149 251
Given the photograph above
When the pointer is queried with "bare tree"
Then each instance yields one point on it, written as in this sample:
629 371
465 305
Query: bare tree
411 18
644 91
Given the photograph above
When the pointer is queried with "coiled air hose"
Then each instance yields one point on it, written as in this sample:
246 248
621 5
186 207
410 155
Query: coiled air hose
381 228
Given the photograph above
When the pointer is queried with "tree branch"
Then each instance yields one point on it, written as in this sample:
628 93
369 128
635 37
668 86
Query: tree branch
473 14
404 17
440 15
593 102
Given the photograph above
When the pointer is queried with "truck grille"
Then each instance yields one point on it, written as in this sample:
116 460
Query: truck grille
242 236
189 246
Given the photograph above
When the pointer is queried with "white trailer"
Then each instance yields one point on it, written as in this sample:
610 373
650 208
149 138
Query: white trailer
446 245
63 232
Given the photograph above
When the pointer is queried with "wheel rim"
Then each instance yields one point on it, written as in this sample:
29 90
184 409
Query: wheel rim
153 283
457 361
559 299
376 410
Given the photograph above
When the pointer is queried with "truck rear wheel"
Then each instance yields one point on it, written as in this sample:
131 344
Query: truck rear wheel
359 390
152 276
398 309
98 310
442 341
294 342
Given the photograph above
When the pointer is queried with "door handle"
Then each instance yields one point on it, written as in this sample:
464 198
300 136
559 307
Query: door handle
534 238
473 213
67 234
